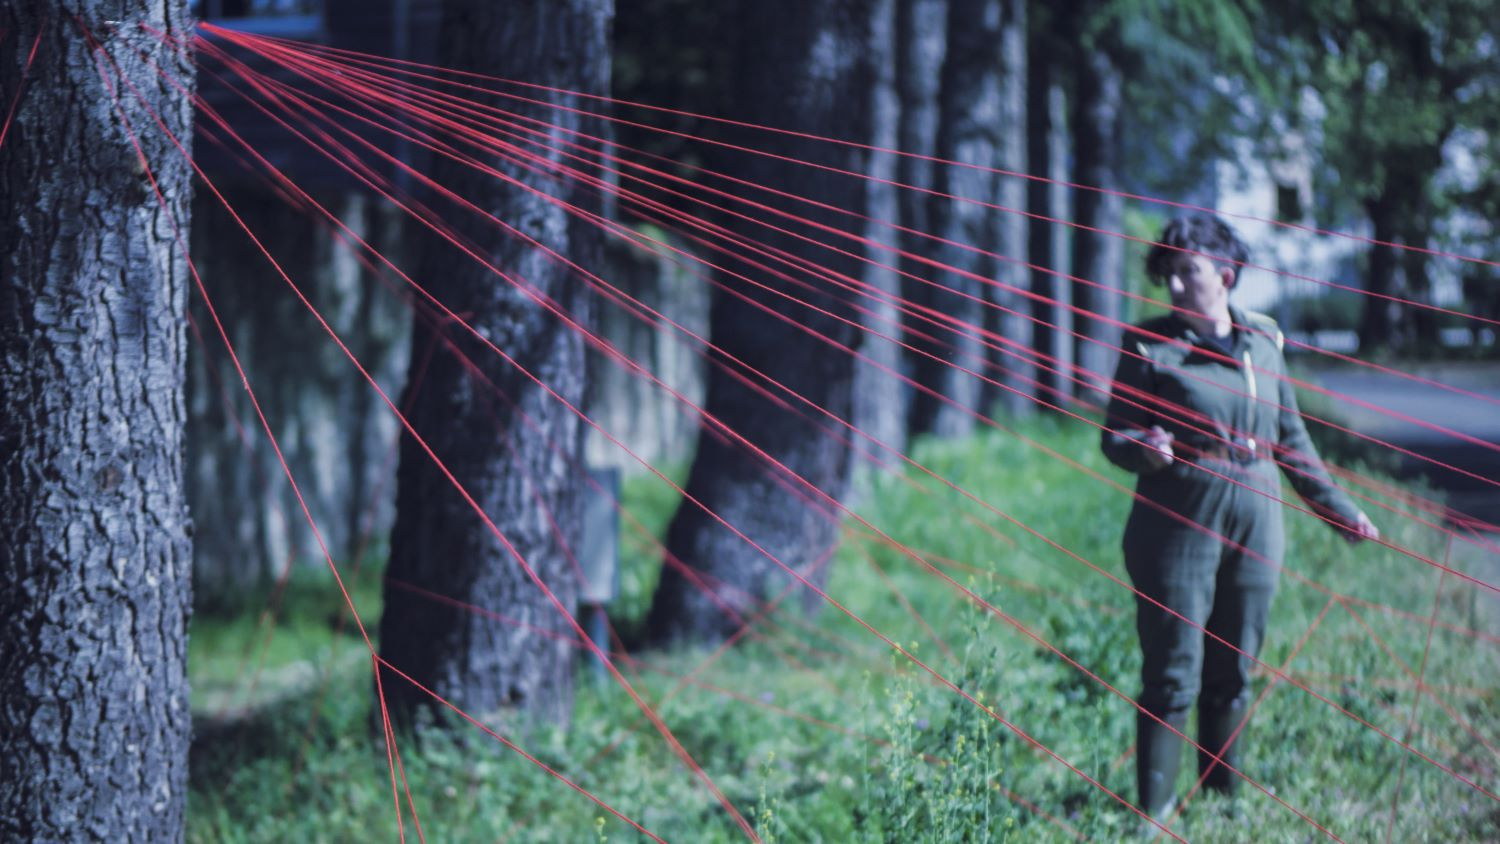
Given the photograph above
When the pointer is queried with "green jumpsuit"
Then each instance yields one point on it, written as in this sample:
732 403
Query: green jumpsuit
1175 538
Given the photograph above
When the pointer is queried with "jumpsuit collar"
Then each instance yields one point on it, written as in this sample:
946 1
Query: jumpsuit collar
1236 341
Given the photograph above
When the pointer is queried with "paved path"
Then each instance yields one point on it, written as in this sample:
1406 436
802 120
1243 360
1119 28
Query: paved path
1477 418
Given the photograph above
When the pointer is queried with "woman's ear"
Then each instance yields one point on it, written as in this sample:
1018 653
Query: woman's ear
1230 275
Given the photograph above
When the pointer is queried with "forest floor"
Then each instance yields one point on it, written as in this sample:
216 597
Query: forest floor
815 731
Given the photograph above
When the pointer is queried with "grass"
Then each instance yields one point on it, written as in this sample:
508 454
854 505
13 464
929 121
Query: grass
906 760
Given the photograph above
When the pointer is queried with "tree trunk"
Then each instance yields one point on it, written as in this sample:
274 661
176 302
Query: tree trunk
439 544
977 119
1097 257
1047 148
813 76
1016 367
968 125
95 555
1379 317
921 42
1424 324
334 432
649 421
879 396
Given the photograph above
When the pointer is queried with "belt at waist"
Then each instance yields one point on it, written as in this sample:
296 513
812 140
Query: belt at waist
1243 451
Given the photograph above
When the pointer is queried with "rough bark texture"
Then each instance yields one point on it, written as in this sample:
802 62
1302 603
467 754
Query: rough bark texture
334 432
921 44
1047 154
1099 258
1011 320
879 396
475 426
979 116
814 76
95 554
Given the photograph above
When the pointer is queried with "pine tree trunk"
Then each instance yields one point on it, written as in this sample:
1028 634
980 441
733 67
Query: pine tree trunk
475 425
979 118
1098 258
814 76
1017 370
1378 316
1047 148
334 432
879 396
921 42
95 555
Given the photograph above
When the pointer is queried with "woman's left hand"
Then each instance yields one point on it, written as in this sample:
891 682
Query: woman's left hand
1361 530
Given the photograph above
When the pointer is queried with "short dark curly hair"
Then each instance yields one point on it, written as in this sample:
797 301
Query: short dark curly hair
1203 233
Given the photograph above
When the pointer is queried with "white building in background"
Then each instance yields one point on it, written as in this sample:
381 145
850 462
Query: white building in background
1257 194
1272 204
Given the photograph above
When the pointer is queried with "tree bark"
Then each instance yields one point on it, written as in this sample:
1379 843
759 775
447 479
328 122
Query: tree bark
980 114
1047 148
1097 257
1400 214
879 396
1016 368
1380 317
474 424
335 433
921 42
95 555
813 75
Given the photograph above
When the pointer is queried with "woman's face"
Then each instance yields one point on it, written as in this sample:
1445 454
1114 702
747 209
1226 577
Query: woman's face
1198 285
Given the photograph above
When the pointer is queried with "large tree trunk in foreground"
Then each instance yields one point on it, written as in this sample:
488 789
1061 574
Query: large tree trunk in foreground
813 77
512 468
95 558
1098 258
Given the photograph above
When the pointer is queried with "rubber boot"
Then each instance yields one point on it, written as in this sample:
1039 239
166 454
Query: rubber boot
1158 756
1216 724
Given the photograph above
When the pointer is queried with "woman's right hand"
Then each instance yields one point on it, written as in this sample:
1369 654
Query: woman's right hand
1158 445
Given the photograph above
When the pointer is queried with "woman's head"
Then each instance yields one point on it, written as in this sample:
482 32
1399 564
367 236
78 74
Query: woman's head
1198 258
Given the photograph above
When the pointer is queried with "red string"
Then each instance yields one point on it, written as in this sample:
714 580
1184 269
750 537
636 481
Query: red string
10 113
374 59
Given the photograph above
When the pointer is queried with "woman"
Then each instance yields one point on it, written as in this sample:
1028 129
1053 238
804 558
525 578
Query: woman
1202 411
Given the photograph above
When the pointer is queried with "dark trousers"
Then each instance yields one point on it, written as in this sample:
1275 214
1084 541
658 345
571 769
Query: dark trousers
1178 558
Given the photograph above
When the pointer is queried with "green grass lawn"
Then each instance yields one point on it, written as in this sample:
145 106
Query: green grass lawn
819 732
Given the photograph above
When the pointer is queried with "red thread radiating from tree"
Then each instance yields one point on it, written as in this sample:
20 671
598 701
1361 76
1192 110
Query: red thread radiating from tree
725 432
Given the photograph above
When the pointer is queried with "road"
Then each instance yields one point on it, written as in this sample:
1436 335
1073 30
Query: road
1427 409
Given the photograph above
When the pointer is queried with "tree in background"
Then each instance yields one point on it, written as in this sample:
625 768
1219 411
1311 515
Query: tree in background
1097 257
805 67
1048 242
1396 83
981 122
95 555
511 468
880 397
1137 72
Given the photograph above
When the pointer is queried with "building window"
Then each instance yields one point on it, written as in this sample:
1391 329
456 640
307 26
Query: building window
1288 204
